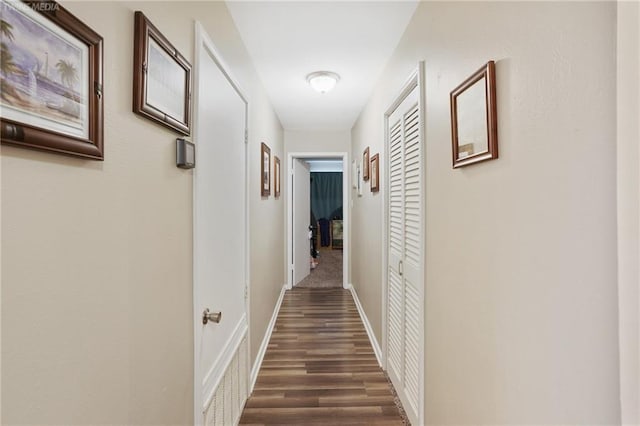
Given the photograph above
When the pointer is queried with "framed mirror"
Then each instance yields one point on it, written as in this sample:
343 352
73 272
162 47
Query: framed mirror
474 129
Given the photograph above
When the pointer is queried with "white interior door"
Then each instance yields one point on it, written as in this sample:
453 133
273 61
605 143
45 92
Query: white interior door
405 282
301 215
220 236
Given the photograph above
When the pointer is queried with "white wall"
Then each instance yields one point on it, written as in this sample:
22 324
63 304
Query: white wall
521 299
300 141
97 256
366 214
267 219
628 92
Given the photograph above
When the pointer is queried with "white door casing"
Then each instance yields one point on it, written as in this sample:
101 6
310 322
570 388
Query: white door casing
403 227
291 158
220 230
301 217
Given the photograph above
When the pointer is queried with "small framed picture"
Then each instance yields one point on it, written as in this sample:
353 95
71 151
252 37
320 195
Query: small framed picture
265 169
474 127
375 173
276 176
161 78
365 164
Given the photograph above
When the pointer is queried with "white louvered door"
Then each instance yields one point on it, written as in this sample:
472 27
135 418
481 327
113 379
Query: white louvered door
405 253
395 308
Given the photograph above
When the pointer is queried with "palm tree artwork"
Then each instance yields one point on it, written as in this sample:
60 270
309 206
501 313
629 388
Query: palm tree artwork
7 29
68 73
7 63
26 83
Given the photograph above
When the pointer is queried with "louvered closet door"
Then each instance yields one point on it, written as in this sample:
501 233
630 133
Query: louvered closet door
395 308
404 314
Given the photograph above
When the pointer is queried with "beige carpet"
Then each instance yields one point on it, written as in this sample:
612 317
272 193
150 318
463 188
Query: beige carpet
328 273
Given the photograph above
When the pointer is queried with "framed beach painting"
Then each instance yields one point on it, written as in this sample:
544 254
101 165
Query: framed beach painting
51 80
161 78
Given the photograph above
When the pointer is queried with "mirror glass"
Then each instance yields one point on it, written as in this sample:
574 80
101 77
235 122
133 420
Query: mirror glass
471 110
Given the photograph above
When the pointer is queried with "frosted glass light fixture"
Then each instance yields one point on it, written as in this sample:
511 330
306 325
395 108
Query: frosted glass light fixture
323 81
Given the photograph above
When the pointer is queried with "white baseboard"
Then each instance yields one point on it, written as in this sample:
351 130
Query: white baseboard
265 341
367 326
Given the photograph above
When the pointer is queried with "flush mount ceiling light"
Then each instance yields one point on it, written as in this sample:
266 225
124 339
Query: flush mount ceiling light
323 81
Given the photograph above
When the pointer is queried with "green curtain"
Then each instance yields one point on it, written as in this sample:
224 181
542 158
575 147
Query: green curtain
326 194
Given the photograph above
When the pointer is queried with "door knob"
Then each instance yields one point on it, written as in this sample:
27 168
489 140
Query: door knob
211 316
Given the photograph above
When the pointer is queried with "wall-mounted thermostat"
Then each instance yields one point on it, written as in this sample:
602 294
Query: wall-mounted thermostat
185 154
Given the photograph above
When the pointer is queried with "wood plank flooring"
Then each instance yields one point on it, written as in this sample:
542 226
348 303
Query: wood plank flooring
319 367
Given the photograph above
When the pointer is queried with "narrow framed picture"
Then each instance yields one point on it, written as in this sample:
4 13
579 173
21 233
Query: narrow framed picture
474 123
365 164
52 93
375 173
265 169
161 78
276 176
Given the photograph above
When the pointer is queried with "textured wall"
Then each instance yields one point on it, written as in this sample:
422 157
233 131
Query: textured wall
103 250
300 141
521 300
628 91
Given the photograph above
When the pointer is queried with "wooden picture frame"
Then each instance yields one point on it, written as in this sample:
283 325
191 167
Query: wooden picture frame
265 169
365 164
375 173
474 122
276 176
52 92
161 78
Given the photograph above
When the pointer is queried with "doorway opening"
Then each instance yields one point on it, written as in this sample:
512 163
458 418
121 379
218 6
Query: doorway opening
317 220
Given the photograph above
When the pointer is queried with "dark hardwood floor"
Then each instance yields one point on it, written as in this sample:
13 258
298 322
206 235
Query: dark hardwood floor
319 367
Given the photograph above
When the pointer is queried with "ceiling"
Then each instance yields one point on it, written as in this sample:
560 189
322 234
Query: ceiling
289 40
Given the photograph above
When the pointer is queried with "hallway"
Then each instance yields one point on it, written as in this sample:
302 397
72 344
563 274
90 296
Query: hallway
319 367
502 292
328 273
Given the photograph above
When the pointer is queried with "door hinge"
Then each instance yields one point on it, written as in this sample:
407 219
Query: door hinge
246 136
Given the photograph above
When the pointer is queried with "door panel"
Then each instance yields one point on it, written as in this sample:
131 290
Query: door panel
395 314
301 216
395 320
405 253
220 252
